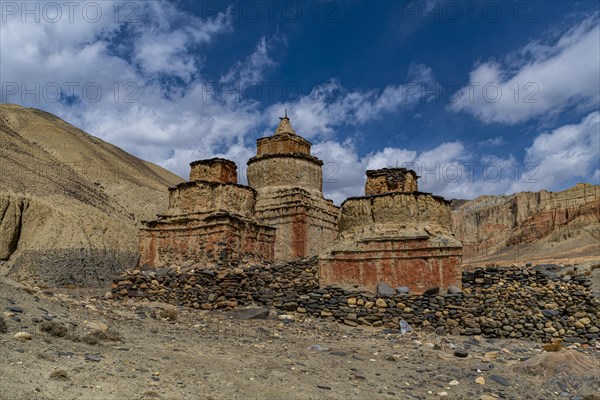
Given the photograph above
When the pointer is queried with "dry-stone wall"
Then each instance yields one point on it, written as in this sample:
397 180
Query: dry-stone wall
536 304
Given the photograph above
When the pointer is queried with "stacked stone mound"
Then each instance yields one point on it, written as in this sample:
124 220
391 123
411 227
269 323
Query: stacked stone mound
289 185
394 234
497 302
210 217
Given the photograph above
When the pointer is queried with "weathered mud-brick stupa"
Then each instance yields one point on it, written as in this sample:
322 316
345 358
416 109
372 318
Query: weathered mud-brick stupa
289 185
210 217
395 235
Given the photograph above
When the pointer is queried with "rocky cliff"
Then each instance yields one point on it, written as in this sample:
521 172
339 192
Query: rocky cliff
70 203
530 226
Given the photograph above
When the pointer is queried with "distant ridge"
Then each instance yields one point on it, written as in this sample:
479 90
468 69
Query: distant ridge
561 227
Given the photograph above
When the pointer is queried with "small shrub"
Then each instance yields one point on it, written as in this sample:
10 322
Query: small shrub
170 313
97 336
3 327
56 329
59 375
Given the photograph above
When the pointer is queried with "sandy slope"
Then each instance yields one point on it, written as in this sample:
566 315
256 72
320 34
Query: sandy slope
70 203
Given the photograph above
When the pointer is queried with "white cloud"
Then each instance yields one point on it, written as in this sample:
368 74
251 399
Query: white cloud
550 76
250 71
492 142
174 124
568 152
344 170
331 105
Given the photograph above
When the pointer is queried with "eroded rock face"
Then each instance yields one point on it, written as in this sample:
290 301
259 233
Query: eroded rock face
397 237
208 219
288 182
530 226
11 219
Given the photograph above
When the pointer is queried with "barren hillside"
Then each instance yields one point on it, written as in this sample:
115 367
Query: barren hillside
70 203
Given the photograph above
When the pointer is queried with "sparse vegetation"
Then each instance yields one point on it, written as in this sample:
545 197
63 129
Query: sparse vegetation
3 327
58 329
55 329
98 336
59 375
170 313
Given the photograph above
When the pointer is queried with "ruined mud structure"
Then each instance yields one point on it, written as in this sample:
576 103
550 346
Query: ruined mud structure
382 258
289 185
210 217
394 234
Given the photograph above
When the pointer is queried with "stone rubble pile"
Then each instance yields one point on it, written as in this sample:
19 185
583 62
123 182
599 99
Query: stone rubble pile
536 304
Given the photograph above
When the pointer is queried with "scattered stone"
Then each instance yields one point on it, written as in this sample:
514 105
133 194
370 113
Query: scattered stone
249 313
431 291
402 290
92 357
404 326
97 326
480 380
499 380
461 353
23 336
385 290
323 387
317 347
454 383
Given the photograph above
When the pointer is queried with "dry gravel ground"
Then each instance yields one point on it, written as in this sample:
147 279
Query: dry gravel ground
201 355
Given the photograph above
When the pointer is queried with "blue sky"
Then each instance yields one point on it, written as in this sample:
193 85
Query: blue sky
480 97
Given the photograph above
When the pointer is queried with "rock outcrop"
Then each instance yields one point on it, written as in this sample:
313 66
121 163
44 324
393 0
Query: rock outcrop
70 203
394 234
530 226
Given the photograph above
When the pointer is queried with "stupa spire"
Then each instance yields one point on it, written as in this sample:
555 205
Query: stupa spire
284 125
